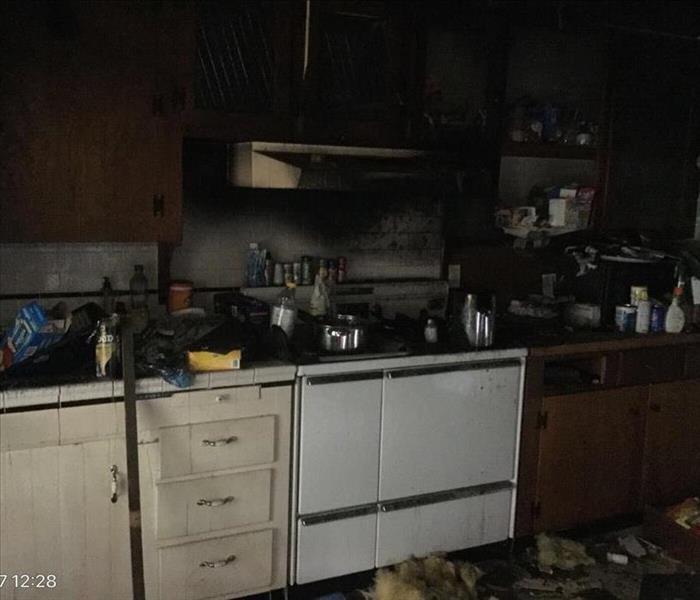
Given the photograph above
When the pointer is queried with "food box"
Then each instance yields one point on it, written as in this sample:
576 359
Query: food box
680 543
33 331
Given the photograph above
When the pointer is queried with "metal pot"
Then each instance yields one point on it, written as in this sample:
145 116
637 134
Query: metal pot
347 333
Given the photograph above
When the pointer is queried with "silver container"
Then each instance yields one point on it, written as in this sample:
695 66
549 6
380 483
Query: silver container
479 320
347 333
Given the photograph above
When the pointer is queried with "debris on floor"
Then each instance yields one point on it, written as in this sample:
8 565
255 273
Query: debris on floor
619 565
560 553
430 578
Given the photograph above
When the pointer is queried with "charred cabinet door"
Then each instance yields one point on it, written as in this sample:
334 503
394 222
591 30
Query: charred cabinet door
590 456
339 437
448 427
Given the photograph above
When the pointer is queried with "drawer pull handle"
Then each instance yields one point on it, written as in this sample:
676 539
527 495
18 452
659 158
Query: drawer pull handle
221 442
214 501
114 483
215 564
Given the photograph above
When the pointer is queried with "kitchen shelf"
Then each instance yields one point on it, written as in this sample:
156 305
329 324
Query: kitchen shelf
544 150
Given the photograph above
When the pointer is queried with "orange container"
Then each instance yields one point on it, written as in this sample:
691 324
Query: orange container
179 295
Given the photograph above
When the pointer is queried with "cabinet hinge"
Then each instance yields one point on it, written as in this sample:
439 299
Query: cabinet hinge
158 205
542 419
536 509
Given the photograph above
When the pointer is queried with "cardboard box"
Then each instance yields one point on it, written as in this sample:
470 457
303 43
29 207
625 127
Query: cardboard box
33 331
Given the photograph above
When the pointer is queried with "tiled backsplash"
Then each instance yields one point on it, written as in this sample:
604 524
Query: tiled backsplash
382 237
39 269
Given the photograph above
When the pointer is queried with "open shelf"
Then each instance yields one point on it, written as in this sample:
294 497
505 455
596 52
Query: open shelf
545 150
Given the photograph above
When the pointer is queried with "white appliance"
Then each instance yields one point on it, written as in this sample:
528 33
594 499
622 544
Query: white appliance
403 456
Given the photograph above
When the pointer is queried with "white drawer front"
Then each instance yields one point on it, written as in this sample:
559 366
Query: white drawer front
216 567
335 548
218 445
339 448
213 503
443 527
448 429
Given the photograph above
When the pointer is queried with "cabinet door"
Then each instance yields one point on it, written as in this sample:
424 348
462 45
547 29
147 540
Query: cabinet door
57 517
339 452
448 427
672 454
590 457
92 123
362 74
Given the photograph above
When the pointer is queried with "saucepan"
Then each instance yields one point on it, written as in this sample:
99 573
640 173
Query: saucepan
344 334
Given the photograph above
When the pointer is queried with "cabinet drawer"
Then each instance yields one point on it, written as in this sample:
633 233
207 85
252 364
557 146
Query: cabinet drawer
213 503
651 365
443 526
217 445
333 548
216 567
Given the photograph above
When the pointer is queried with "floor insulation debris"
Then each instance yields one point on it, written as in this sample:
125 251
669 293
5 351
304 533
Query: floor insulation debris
618 565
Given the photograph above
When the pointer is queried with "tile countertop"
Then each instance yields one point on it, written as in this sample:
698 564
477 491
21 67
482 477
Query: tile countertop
23 396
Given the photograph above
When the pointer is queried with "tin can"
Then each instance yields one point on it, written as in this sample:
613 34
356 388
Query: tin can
107 348
332 271
288 273
658 317
638 293
296 272
323 268
179 295
306 270
643 316
269 271
278 276
625 318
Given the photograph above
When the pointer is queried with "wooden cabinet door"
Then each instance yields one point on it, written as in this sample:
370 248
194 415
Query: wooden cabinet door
590 457
57 517
361 82
91 135
672 454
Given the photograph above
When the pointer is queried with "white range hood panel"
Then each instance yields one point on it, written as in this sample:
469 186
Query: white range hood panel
284 166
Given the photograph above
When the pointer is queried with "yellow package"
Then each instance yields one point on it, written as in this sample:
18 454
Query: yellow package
201 360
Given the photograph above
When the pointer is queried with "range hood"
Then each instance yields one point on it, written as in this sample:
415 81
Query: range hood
274 165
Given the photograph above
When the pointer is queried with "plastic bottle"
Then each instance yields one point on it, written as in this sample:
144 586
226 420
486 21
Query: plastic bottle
675 316
107 296
284 310
252 265
138 288
319 303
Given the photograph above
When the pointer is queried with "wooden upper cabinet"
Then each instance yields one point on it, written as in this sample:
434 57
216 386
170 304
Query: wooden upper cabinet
362 80
248 55
92 121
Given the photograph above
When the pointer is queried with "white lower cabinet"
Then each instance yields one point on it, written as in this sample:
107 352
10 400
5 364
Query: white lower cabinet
404 530
330 546
216 567
214 479
60 516
339 433
448 427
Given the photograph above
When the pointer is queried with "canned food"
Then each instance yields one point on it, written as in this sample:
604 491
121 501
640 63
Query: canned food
638 293
306 277
643 316
278 274
288 273
625 318
296 272
107 348
658 318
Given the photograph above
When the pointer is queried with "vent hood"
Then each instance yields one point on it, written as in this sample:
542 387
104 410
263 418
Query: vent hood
273 165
